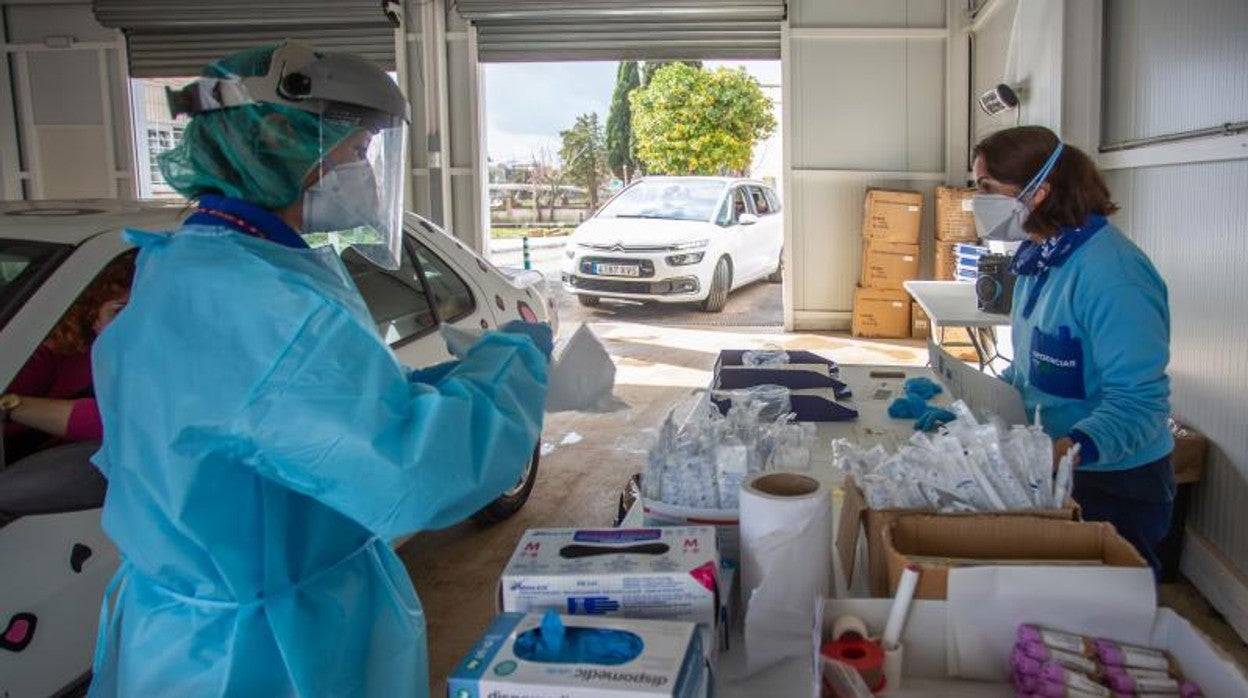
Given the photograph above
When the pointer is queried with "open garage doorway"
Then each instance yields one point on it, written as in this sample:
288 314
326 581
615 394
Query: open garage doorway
593 183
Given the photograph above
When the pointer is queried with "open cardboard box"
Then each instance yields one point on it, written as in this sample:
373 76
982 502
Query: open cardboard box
939 544
856 512
940 654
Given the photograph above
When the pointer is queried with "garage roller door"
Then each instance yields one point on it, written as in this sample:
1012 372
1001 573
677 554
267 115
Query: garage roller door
174 38
568 30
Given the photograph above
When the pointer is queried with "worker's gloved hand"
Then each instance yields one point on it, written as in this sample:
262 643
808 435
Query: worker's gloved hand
541 334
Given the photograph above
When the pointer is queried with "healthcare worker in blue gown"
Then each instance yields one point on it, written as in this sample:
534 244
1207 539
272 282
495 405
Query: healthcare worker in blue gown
263 445
1090 325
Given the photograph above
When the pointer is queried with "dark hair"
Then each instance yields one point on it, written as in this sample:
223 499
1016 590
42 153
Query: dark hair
1076 188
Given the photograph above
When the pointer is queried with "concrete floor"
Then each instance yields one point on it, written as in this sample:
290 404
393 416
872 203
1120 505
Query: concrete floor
662 355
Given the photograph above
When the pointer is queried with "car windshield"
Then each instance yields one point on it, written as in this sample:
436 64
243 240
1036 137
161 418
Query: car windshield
691 200
23 265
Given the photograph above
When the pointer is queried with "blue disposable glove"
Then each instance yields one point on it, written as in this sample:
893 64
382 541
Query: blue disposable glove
933 418
922 387
539 332
908 407
554 643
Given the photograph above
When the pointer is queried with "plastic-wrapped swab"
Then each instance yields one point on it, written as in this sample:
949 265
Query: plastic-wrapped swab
969 466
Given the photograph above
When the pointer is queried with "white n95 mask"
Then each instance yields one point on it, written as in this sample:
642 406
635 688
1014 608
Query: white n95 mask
999 217
343 199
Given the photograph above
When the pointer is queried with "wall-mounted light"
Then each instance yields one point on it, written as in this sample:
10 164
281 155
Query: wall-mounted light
1001 98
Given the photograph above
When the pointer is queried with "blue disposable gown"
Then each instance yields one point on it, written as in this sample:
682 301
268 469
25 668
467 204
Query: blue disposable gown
262 447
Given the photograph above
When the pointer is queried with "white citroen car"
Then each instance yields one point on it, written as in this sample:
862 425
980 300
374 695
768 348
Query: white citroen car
56 562
677 240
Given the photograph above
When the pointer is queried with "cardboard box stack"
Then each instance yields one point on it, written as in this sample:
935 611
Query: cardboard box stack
891 221
954 223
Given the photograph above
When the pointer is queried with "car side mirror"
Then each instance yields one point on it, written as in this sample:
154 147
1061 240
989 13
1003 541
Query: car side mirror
747 219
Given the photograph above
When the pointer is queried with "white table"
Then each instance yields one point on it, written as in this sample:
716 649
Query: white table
954 304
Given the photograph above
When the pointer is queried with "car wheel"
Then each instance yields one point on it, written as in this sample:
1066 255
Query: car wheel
777 276
588 301
721 283
511 501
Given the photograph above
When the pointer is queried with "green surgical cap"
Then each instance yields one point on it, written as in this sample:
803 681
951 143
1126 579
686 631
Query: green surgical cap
260 152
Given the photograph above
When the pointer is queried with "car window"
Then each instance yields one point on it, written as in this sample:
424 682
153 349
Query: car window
451 294
396 299
672 199
773 201
761 206
23 266
733 207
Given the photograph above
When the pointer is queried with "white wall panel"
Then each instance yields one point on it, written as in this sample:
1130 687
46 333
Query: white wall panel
1192 220
1175 66
868 13
989 46
869 104
30 23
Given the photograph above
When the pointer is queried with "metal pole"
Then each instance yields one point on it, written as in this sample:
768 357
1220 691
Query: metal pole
524 245
1228 129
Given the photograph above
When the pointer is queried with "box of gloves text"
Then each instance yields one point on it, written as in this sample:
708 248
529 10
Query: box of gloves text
668 573
583 656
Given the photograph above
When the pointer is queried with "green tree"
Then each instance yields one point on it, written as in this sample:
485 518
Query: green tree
584 155
653 67
693 121
619 123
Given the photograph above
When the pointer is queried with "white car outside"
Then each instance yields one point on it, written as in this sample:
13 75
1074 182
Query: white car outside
677 240
57 565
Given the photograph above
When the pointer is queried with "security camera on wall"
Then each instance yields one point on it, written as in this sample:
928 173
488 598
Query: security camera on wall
999 99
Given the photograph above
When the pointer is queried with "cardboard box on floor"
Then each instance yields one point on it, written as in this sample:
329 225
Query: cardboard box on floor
920 324
892 215
944 657
855 512
1190 450
881 313
955 220
946 261
938 544
887 265
956 341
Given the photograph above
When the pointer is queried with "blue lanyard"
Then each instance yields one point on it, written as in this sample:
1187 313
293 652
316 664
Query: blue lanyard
246 218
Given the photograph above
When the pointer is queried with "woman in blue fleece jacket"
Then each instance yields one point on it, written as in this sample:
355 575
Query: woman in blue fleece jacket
1091 328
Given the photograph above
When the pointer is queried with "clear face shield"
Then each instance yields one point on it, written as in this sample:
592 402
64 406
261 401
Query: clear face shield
357 201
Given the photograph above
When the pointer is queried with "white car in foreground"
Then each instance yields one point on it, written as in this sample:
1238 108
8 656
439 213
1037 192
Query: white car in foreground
677 240
56 564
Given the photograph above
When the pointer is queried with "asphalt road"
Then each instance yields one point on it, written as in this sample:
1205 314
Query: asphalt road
757 305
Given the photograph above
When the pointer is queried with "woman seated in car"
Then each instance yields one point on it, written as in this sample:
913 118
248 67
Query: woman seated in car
50 401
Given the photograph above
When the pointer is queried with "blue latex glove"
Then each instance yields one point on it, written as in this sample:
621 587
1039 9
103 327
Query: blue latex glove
554 643
541 334
924 388
933 418
908 407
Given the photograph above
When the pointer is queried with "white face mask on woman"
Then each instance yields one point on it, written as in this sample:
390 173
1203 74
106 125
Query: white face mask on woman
343 199
1001 217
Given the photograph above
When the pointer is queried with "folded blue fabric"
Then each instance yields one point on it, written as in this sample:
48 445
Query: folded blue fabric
933 418
908 407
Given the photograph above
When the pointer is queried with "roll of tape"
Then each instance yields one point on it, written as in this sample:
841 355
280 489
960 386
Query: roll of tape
863 655
849 624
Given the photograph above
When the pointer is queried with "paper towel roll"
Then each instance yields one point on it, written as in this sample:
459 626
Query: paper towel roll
786 562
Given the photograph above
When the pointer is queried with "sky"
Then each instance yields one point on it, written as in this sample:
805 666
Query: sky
528 104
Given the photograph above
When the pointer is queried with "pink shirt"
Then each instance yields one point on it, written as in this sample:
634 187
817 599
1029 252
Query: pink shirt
65 376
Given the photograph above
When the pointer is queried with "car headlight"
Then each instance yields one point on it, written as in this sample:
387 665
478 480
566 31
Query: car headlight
695 245
684 260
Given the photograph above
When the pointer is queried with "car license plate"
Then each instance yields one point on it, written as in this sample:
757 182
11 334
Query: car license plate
617 270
